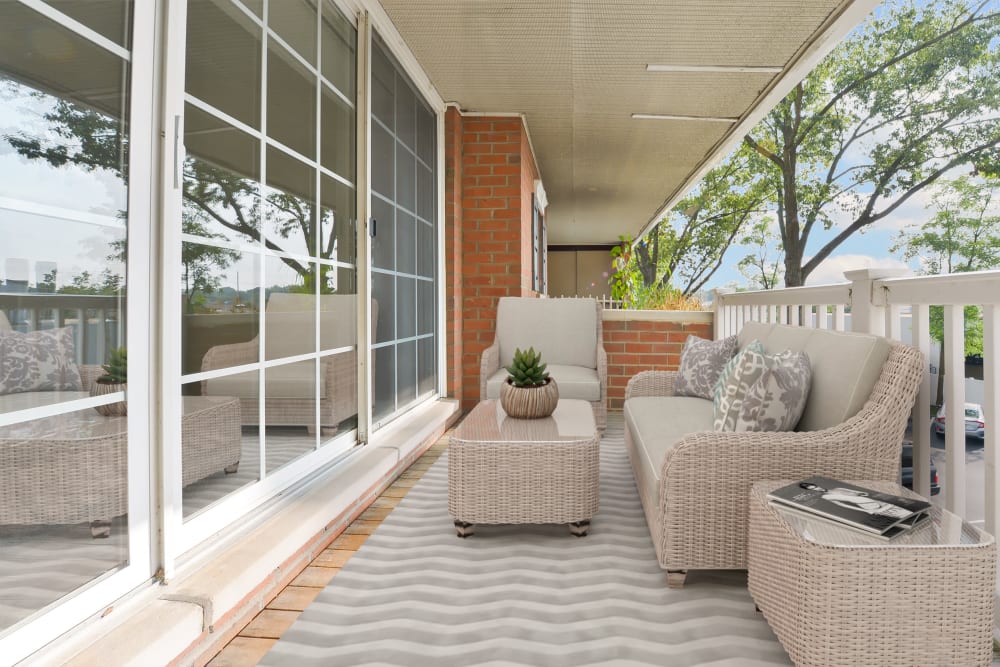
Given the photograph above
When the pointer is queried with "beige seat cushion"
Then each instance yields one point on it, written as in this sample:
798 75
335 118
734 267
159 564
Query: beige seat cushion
574 382
845 367
288 381
563 330
656 424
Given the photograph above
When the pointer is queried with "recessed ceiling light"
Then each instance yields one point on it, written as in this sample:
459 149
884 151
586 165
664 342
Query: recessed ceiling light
732 69
663 116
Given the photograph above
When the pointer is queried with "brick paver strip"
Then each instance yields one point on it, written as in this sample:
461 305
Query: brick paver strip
242 652
317 577
294 598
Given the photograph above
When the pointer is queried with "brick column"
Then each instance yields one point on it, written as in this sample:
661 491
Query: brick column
489 183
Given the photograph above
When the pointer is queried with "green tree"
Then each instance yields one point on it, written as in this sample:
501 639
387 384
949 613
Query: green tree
908 97
686 248
762 267
962 235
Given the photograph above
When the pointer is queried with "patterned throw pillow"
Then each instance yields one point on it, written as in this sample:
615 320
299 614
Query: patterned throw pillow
776 401
701 363
38 361
720 386
749 366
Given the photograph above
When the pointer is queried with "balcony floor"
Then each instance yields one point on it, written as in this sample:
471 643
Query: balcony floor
417 594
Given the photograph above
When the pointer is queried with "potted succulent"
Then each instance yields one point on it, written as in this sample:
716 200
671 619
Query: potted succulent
528 392
115 379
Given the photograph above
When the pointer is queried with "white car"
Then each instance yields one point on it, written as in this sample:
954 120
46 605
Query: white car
975 422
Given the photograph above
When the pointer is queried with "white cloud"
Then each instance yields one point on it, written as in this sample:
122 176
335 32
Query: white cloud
832 269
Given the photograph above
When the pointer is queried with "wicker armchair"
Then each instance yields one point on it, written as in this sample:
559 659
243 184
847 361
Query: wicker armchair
338 393
698 518
568 333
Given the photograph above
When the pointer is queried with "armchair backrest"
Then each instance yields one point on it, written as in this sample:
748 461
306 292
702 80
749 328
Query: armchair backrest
565 331
291 317
845 367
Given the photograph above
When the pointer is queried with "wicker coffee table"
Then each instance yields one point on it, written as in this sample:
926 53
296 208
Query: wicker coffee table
506 470
836 596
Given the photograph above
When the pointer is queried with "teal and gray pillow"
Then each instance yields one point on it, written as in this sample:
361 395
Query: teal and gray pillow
701 364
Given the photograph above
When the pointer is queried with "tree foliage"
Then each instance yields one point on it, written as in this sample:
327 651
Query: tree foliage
686 248
911 95
762 267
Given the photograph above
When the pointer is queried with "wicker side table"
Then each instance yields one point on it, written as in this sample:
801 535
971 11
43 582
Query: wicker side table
835 596
506 470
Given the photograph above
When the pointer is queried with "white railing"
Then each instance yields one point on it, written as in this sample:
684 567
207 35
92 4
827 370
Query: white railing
95 319
881 301
607 303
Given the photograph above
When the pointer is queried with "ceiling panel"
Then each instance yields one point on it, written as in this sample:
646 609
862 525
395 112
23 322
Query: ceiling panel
577 70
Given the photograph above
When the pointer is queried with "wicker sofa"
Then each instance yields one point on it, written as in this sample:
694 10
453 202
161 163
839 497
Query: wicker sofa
567 332
694 482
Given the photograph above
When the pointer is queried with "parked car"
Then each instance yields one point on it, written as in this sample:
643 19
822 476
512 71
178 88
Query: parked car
975 422
907 470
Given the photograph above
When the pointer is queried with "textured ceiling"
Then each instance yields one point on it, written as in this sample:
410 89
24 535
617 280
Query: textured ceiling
577 70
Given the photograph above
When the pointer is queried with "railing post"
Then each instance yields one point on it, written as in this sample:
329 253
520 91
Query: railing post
991 408
719 316
867 307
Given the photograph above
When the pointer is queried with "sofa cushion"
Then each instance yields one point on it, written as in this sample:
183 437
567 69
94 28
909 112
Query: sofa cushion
564 331
776 400
656 423
702 362
294 380
38 361
574 382
845 368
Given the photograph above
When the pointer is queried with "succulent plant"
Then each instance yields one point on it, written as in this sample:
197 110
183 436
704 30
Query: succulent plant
527 369
116 370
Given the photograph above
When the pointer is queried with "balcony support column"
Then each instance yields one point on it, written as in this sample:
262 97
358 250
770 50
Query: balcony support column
868 305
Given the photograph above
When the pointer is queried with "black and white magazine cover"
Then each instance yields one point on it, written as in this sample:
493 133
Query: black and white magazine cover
866 509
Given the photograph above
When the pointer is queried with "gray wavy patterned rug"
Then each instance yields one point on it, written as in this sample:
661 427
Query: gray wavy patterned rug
415 594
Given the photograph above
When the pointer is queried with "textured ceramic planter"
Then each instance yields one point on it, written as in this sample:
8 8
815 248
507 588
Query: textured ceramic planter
119 409
529 402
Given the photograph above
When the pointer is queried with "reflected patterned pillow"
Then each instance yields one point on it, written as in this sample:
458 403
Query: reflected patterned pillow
701 364
776 401
38 361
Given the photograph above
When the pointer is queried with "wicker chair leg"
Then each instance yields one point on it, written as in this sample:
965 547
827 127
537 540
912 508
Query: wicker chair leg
100 528
675 578
579 528
230 470
465 529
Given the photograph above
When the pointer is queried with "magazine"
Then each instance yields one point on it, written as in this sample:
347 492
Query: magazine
881 514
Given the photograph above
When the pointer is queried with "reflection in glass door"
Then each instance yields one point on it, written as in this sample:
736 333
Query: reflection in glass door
64 214
268 297
404 238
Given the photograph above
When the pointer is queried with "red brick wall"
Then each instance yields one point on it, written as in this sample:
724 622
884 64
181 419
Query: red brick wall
635 346
488 179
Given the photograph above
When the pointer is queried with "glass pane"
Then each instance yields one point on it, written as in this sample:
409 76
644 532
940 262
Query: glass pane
383 87
426 313
221 307
425 250
339 41
290 212
406 373
406 178
256 6
338 222
406 307
221 174
337 135
291 102
290 412
382 161
426 192
295 22
406 242
383 244
63 518
223 59
290 313
384 385
383 290
426 135
110 18
426 366
220 446
406 130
